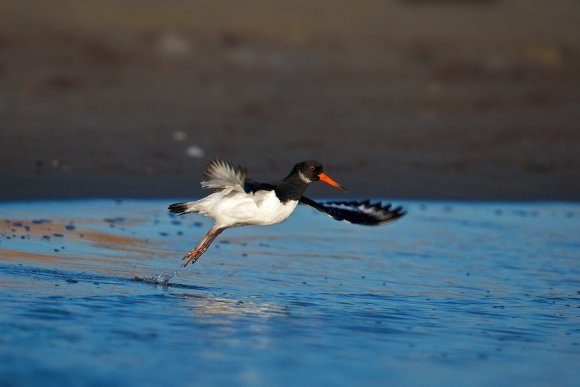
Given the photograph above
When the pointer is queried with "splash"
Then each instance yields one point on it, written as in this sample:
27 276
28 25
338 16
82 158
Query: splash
161 278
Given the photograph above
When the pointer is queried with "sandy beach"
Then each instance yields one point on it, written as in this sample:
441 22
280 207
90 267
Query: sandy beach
401 99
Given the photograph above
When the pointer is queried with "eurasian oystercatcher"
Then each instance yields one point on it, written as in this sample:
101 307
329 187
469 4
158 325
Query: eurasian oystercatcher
239 201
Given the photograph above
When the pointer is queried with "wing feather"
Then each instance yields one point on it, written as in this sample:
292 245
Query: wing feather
220 175
357 212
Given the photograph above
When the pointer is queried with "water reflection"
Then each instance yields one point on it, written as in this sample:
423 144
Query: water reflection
209 306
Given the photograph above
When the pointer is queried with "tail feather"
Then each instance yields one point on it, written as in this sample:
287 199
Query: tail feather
182 208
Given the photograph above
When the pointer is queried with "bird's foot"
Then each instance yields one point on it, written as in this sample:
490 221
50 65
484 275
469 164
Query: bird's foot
191 257
194 254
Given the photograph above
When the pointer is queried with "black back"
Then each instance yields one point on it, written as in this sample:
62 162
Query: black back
286 190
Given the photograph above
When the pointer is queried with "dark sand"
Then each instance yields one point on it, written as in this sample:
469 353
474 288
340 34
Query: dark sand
400 99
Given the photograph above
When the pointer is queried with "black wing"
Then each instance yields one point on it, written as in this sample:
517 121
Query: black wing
363 212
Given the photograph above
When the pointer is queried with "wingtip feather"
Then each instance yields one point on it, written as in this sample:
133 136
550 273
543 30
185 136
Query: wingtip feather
358 212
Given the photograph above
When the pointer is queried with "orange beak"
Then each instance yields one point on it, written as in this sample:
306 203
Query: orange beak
324 177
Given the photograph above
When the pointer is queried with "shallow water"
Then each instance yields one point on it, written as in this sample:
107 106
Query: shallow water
452 294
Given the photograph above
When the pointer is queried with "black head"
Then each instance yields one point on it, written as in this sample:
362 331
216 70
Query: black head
311 170
308 170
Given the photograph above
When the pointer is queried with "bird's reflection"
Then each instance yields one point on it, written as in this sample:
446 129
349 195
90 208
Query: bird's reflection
209 306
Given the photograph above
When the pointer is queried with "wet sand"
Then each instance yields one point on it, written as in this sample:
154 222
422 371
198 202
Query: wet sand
401 99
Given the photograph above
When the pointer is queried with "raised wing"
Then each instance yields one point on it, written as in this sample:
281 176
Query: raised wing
220 175
357 212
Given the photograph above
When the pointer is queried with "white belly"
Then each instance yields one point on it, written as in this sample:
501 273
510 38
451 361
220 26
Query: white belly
240 209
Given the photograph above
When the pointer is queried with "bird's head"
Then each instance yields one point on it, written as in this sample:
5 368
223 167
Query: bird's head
311 170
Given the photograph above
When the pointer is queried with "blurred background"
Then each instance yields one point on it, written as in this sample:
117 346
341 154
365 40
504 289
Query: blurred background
472 99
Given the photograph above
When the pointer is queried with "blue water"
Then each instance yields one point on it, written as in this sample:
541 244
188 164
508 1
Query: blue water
472 294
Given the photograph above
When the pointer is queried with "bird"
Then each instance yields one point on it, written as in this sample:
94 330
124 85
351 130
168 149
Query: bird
240 201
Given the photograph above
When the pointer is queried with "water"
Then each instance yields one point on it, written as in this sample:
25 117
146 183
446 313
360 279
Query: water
452 294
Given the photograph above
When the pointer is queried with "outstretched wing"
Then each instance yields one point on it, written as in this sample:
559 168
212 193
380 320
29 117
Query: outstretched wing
220 174
363 212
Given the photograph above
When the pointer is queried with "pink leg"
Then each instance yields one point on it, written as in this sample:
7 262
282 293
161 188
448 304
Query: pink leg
201 248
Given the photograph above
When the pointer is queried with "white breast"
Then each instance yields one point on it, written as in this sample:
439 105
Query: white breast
241 208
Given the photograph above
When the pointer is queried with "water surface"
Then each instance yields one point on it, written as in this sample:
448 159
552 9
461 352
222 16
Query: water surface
452 294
